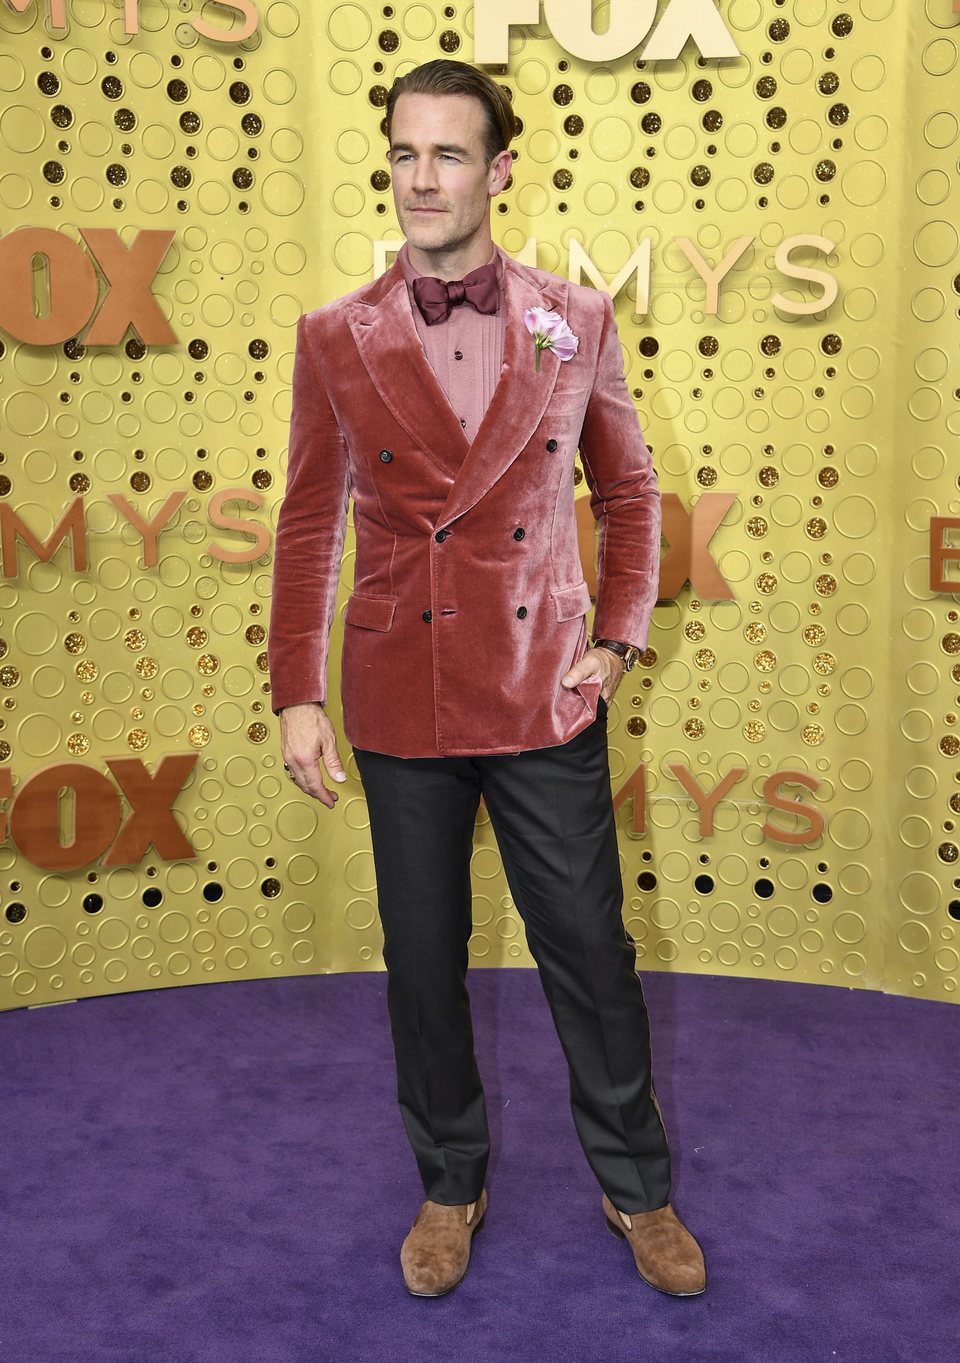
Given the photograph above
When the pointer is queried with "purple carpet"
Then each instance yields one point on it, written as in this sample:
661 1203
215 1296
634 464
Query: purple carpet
219 1173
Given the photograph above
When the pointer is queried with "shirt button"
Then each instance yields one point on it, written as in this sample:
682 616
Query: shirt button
386 456
551 446
521 612
428 616
458 354
519 533
441 535
463 421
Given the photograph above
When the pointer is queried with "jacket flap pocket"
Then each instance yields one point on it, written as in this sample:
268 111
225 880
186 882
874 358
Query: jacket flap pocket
572 601
370 612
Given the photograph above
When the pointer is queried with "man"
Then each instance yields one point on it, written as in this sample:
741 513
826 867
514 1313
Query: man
466 666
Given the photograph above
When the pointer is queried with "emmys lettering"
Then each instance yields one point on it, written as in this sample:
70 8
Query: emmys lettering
50 290
246 9
706 801
571 23
72 798
640 266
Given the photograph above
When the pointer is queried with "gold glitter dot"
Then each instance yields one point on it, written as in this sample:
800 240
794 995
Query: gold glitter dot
5 750
9 675
636 726
694 703
947 851
705 658
828 477
255 634
955 803
814 635
209 690
262 662
138 739
199 709
198 735
695 630
208 664
955 672
147 693
768 476
196 637
950 745
754 730
648 658
756 527
78 744
812 734
146 667
755 632
765 661
135 639
753 705
76 717
767 583
4 648
87 671
813 708
824 663
950 643
136 712
75 643
816 527
707 475
694 728
825 585
764 688
257 732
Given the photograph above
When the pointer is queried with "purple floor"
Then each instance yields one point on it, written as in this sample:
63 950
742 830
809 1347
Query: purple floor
219 1173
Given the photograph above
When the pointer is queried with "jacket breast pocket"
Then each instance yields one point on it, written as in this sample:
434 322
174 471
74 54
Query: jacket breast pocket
571 602
370 612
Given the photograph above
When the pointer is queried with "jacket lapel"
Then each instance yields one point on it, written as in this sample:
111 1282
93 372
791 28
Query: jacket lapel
386 337
520 398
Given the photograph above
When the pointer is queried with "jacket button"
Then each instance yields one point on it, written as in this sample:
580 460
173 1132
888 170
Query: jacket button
519 533
458 354
441 535
551 446
521 612
386 456
428 616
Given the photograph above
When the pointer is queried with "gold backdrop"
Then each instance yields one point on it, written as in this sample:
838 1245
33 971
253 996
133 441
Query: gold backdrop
786 763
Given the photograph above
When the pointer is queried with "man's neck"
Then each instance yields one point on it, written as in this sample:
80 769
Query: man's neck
453 264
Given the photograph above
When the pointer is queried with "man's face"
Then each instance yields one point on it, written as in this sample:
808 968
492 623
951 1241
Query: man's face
442 184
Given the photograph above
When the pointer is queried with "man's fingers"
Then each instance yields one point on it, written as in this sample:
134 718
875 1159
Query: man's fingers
331 760
586 667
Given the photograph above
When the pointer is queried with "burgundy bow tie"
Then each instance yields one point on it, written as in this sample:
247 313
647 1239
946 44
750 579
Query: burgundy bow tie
435 297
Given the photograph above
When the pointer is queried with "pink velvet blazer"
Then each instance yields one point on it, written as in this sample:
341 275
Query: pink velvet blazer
469 600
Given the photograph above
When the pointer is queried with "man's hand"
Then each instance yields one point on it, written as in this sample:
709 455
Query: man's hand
597 662
307 738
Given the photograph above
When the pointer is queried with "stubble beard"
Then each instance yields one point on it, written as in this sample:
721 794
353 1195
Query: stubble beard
437 238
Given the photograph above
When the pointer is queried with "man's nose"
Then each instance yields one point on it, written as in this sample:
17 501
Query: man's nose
424 174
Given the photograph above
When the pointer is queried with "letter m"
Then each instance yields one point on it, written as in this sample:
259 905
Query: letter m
70 523
58 10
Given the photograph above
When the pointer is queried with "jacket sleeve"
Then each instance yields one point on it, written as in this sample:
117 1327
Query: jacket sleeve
309 539
624 497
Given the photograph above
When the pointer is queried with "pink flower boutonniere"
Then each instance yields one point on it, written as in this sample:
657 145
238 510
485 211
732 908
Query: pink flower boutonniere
550 332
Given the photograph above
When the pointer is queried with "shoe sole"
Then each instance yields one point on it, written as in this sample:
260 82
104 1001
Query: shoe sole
622 1235
453 1286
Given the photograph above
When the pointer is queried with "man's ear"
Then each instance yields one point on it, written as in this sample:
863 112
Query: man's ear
500 168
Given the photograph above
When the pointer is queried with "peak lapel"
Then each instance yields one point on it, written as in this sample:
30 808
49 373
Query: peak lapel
386 337
519 400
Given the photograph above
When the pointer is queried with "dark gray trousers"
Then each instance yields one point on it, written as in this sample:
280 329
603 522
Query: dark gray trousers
552 814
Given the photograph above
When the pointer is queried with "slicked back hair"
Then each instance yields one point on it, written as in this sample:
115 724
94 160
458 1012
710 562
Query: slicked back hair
445 77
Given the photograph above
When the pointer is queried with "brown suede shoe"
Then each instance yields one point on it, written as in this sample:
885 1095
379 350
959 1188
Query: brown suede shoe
435 1254
668 1257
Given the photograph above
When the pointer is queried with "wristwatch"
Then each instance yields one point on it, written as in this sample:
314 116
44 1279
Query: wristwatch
628 654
